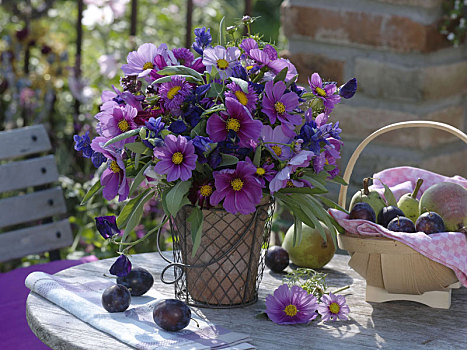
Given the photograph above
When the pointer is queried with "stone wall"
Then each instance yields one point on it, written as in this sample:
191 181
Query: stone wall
405 69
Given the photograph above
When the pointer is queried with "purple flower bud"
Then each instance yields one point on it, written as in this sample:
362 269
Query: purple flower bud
121 267
348 89
107 226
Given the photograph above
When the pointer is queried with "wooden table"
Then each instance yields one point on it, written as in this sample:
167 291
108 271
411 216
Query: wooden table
392 325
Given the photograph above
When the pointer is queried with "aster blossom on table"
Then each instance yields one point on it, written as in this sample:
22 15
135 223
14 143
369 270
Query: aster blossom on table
333 307
225 125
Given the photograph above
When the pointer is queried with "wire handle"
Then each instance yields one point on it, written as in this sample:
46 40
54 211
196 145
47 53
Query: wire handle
383 130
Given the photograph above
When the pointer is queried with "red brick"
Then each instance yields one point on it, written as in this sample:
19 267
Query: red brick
353 28
416 3
328 68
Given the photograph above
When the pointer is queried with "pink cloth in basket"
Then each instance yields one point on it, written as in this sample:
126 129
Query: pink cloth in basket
447 248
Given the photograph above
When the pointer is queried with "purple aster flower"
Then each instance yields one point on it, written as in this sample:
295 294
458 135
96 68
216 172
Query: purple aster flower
173 93
264 172
184 56
202 40
83 143
270 137
239 189
109 98
198 65
326 93
277 65
270 51
283 177
277 105
248 99
121 267
328 157
222 59
200 193
238 120
107 226
248 44
140 62
113 179
116 121
177 159
333 307
291 306
348 89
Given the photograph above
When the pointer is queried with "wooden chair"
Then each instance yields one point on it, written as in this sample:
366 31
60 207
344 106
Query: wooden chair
34 200
32 210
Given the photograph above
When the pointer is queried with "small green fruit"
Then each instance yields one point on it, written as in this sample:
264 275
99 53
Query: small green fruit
371 197
409 204
312 252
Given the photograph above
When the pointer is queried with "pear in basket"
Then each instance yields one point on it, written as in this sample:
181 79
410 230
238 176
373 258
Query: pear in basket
409 204
371 197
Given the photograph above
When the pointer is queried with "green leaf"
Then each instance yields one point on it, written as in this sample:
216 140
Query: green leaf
317 184
332 204
339 180
295 206
164 200
257 156
196 222
215 90
97 187
324 216
199 129
308 95
123 136
389 196
128 209
188 78
138 179
228 159
281 75
291 81
181 70
242 83
176 195
136 215
136 147
222 32
297 232
304 190
216 108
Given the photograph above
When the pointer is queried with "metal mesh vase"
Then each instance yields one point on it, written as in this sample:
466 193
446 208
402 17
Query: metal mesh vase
228 266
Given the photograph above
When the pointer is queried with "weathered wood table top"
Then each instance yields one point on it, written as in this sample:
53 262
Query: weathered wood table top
391 325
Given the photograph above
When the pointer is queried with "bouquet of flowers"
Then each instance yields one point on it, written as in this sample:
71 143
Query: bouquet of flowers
226 128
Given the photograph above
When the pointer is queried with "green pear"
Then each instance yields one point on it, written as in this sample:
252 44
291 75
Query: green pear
409 204
373 198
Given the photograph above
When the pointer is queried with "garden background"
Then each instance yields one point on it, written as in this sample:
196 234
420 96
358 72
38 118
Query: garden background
409 57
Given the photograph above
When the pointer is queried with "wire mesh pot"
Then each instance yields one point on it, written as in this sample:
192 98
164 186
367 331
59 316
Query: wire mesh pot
228 266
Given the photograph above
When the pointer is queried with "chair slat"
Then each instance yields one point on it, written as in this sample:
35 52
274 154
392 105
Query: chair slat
23 141
35 240
26 173
33 206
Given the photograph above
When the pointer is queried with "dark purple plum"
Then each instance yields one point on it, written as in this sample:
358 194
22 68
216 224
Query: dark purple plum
364 211
387 214
401 224
430 222
138 281
171 314
116 298
277 258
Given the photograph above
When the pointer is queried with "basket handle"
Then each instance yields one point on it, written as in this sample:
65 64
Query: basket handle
383 130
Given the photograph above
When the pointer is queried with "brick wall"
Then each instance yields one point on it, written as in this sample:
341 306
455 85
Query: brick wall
405 69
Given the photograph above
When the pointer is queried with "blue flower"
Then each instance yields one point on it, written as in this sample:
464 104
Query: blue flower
83 143
121 267
239 72
155 126
97 159
348 89
311 136
107 226
202 40
177 127
202 144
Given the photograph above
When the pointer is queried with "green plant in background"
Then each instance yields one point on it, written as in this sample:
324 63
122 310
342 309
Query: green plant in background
453 23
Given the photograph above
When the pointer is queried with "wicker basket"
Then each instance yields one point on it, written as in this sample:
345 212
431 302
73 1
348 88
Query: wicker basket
393 270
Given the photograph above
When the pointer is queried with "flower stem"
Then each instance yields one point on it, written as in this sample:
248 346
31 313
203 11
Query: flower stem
341 289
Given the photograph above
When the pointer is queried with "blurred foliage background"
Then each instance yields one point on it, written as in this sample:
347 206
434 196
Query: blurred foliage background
53 68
